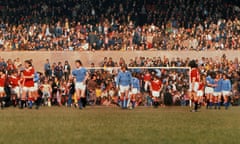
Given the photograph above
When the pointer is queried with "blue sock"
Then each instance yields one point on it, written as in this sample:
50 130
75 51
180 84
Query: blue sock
69 100
210 104
30 104
227 104
124 103
133 104
128 102
80 104
121 104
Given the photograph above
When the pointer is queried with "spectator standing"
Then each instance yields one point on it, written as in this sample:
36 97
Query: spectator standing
91 90
67 70
71 91
58 71
47 69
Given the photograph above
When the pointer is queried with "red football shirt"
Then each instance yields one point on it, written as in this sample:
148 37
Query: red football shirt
156 85
28 82
201 86
14 81
195 75
2 81
147 77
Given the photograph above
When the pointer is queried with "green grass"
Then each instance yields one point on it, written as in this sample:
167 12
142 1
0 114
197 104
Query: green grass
105 125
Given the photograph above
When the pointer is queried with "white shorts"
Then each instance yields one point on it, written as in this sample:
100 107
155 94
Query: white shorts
35 87
134 91
216 94
80 85
155 93
28 89
15 90
111 93
208 90
46 94
195 87
2 89
199 93
226 93
124 88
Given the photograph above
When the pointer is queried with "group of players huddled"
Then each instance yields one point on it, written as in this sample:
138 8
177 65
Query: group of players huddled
212 89
22 86
24 89
216 86
129 88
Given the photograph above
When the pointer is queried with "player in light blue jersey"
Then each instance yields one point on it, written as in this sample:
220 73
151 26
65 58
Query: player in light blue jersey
36 80
124 83
217 91
135 89
226 90
80 75
209 88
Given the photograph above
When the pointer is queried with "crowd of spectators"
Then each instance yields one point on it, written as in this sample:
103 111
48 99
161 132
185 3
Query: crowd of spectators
119 25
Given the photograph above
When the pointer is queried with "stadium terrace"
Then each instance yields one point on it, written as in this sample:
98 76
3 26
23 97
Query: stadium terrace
120 25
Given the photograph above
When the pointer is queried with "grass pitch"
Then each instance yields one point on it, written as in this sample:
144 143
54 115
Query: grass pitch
103 125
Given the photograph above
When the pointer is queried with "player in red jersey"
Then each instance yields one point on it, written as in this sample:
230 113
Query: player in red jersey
194 85
2 84
155 88
28 83
15 87
147 78
200 91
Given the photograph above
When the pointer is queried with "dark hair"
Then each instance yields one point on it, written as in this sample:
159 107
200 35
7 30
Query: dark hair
193 64
2 70
92 76
14 71
225 74
134 74
78 61
213 74
28 62
124 66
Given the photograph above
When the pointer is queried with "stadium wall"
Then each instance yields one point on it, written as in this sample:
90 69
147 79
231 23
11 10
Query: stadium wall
96 57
